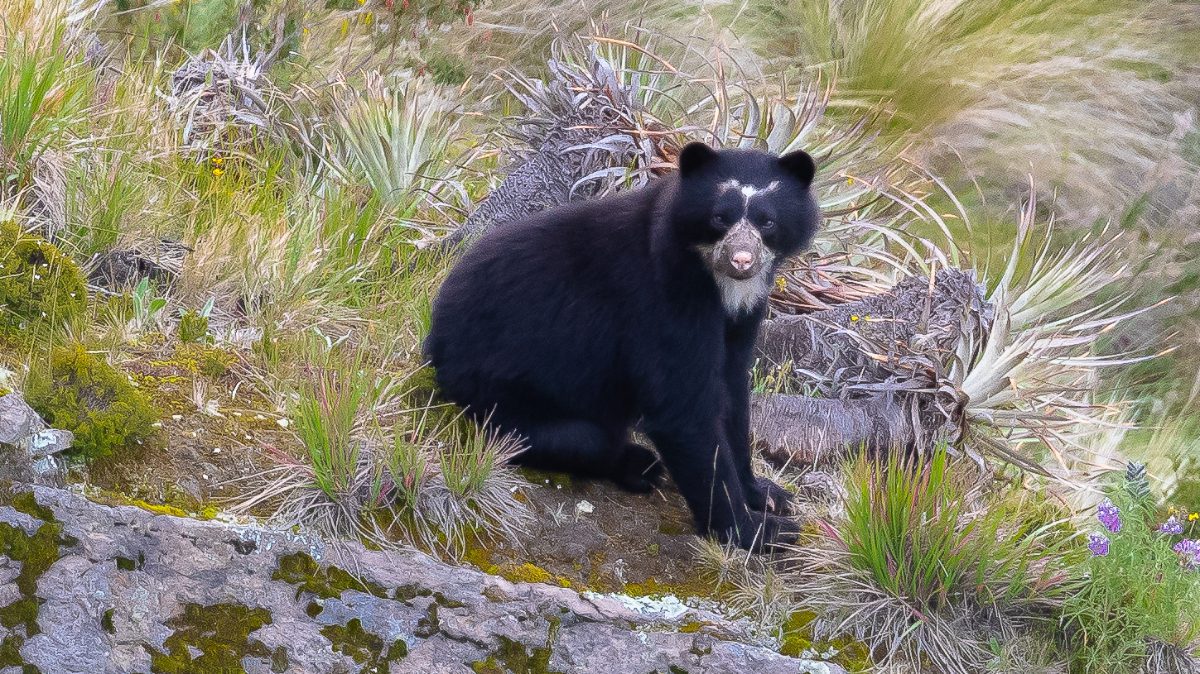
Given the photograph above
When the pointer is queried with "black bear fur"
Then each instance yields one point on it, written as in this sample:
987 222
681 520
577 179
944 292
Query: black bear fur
573 326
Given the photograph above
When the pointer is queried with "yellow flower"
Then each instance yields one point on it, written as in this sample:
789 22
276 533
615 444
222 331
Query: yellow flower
853 318
218 171
780 284
849 181
218 160
1193 517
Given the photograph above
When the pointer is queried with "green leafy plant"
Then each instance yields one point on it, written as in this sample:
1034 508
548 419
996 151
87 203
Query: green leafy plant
80 392
1139 609
147 308
919 567
38 283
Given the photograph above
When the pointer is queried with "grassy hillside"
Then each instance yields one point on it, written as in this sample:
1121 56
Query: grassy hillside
222 224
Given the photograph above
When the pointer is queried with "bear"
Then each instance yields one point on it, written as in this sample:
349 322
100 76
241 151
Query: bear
637 310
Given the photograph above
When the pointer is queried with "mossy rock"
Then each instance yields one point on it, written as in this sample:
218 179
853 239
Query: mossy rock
80 392
39 285
212 639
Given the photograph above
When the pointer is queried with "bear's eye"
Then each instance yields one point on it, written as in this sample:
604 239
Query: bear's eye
768 226
720 219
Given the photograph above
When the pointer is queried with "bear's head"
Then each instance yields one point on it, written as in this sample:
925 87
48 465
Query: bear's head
744 211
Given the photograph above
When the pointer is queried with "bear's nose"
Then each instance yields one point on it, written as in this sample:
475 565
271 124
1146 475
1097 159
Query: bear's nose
742 260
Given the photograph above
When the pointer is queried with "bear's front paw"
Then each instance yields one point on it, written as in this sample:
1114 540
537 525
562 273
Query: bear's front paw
766 533
638 469
767 496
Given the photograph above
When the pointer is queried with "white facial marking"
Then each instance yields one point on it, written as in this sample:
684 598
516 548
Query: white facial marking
740 296
748 191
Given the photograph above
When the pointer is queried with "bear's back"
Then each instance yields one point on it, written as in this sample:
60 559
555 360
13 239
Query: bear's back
544 304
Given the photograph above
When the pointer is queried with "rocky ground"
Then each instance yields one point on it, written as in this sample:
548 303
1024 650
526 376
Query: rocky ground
94 588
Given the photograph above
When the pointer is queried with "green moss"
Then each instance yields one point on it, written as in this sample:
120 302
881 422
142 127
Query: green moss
279 660
39 285
193 327
115 498
692 626
545 477
221 634
695 585
364 647
159 508
206 360
529 573
106 622
512 657
307 575
125 564
850 653
407 593
481 558
313 609
10 651
82 393
430 624
26 502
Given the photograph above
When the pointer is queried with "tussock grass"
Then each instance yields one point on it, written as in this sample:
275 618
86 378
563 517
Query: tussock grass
920 568
1087 96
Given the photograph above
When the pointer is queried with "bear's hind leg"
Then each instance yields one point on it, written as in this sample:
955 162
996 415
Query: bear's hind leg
586 449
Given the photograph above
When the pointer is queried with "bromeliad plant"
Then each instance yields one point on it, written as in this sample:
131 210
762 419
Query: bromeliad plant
1139 609
922 570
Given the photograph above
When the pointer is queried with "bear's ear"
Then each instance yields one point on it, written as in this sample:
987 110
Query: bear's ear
695 156
800 165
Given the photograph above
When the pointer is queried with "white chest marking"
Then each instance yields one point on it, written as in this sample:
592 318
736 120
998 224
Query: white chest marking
739 296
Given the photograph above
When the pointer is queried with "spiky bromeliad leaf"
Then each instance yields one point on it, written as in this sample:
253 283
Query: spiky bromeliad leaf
223 100
1017 379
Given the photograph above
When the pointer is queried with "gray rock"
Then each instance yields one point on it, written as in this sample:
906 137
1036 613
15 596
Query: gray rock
29 445
47 442
17 419
129 584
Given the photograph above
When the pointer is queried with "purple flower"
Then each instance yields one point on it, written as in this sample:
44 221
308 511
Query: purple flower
1189 550
1171 527
1098 544
1109 516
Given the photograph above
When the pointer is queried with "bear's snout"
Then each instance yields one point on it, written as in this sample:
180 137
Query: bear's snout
739 254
